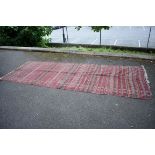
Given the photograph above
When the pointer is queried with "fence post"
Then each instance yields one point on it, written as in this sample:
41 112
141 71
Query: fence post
148 38
100 38
67 33
63 35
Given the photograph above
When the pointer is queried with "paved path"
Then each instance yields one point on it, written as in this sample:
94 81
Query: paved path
27 106
133 36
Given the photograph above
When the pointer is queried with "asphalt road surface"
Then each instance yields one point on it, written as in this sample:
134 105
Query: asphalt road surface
132 36
28 106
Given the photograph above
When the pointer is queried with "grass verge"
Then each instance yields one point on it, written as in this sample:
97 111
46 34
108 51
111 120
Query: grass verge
105 50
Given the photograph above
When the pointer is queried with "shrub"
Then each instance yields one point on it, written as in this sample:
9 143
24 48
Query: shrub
24 35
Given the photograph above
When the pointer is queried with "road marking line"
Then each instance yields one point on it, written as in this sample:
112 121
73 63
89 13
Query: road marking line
115 42
143 28
130 27
139 43
94 41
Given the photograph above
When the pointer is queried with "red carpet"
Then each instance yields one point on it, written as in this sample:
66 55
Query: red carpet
128 81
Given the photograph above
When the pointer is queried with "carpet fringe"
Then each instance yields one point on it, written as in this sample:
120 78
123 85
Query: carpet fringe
145 74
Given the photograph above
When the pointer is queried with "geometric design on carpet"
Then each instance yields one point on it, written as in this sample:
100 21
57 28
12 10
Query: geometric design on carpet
127 81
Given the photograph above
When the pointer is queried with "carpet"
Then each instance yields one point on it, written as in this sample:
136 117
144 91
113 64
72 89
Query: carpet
127 81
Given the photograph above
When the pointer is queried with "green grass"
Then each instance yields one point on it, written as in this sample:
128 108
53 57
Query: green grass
105 50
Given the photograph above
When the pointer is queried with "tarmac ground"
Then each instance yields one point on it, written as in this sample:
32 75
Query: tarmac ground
33 107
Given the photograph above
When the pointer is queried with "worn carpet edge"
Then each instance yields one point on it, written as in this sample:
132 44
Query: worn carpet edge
146 78
1 78
145 74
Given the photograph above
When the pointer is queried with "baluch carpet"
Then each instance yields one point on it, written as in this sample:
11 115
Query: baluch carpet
127 81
